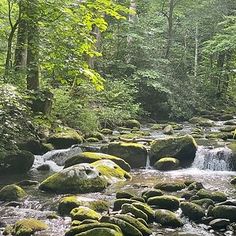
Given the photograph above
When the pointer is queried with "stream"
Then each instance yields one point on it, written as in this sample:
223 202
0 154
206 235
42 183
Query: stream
212 167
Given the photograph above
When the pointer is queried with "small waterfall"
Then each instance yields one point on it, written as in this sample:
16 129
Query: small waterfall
218 159
148 164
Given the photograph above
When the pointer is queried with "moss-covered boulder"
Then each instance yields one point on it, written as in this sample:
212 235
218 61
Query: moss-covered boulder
167 218
66 204
233 181
182 148
90 157
99 205
192 211
106 131
124 194
164 202
224 211
129 208
119 202
132 124
85 227
167 163
65 138
134 154
101 232
111 171
146 209
204 203
81 178
201 121
170 186
82 213
216 196
27 227
219 223
12 193
152 193
13 162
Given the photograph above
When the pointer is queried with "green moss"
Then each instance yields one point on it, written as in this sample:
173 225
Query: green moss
204 203
202 121
27 227
152 193
164 202
167 218
216 196
225 212
132 124
156 127
99 205
101 232
95 135
192 211
170 186
124 194
82 213
128 208
66 204
92 140
12 193
146 209
119 202
167 163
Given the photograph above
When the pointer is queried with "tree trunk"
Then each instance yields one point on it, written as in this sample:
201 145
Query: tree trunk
196 51
33 46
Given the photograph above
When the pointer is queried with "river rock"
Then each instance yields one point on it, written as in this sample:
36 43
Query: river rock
129 208
134 154
82 213
81 178
216 196
119 202
182 148
224 211
219 223
232 147
14 162
66 204
12 193
167 163
192 211
164 202
168 130
124 194
170 186
132 124
204 203
146 209
152 193
201 121
90 157
65 138
167 218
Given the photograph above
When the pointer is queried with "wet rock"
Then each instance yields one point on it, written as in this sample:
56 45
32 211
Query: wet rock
90 157
167 218
15 162
132 124
139 199
168 130
219 223
99 205
146 209
152 193
67 204
92 140
27 183
65 139
206 220
44 167
106 131
81 178
192 211
195 186
134 154
228 128
124 194
216 196
95 135
119 202
82 213
204 203
167 163
182 148
201 121
98 229
156 127
228 202
128 208
233 181
232 147
164 202
12 193
14 204
225 212
170 186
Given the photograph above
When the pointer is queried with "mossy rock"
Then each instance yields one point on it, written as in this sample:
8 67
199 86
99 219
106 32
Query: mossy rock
152 193
233 181
156 127
132 124
216 196
15 162
146 209
119 202
107 131
99 205
228 128
82 213
167 163
81 178
182 148
92 140
195 186
126 227
129 208
90 157
164 202
170 186
135 223
95 135
168 130
27 227
12 193
134 154
111 171
192 211
219 223
65 138
204 203
232 147
66 204
167 218
124 194
131 136
201 121
101 232
90 226
225 212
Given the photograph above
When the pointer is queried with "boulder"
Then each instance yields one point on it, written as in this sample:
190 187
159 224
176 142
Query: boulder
167 163
134 154
12 193
65 138
90 157
219 223
81 178
192 211
119 202
67 204
168 130
106 131
216 196
167 218
170 186
152 193
129 208
232 147
201 121
182 148
225 212
164 202
15 162
82 213
146 209
233 181
132 124
204 203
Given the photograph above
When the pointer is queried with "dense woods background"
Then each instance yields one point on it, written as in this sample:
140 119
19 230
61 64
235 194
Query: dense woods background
90 64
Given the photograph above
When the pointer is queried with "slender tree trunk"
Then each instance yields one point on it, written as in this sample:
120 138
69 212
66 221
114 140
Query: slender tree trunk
33 46
220 67
196 51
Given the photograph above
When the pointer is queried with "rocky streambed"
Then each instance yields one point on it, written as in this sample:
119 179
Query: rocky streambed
172 179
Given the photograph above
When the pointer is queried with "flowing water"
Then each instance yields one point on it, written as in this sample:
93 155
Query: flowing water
212 166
